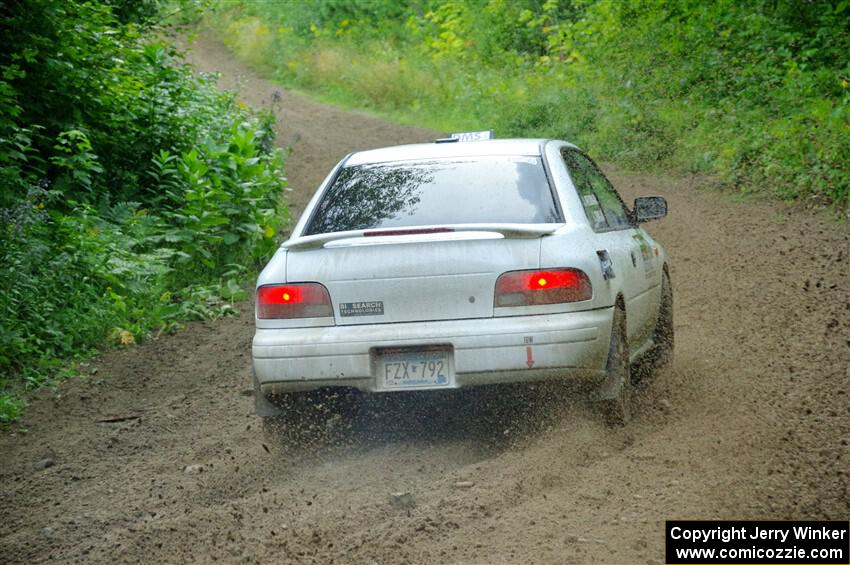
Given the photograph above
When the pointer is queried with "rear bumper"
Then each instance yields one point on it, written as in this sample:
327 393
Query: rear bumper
485 351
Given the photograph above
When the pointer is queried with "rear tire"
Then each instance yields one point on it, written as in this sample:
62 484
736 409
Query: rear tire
312 416
615 395
263 406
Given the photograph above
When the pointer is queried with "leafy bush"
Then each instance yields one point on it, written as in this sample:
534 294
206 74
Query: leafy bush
135 194
757 91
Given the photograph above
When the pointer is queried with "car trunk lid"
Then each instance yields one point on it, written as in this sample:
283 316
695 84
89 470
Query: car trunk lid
433 274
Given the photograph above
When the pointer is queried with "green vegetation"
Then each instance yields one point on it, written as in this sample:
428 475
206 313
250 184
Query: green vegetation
134 195
753 91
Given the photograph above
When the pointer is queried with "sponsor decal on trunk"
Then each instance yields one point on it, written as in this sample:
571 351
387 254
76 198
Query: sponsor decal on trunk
374 308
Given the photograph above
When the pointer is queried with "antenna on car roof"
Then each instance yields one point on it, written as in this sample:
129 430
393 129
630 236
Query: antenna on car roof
467 136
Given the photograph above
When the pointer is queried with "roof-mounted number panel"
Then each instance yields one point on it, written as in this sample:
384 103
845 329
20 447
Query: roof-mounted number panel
468 136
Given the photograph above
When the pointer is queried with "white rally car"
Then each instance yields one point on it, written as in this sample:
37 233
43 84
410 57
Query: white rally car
460 263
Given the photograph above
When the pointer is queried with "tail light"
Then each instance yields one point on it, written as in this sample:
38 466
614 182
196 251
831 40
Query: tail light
302 300
531 288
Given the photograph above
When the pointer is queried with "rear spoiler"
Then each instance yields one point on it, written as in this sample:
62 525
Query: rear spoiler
508 231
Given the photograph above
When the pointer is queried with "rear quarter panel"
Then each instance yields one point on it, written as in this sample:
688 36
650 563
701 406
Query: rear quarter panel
575 248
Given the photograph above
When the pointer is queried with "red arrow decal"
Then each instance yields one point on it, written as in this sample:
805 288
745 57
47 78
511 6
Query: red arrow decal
530 356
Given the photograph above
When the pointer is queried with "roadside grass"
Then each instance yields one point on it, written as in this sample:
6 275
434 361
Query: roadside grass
137 195
759 103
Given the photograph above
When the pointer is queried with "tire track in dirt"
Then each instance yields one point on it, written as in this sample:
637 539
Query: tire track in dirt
752 422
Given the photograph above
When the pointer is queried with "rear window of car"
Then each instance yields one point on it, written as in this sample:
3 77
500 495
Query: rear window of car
421 193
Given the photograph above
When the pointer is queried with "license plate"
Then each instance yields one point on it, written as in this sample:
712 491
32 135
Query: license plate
415 368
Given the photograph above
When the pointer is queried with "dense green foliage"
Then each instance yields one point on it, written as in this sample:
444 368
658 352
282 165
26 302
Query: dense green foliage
754 91
134 195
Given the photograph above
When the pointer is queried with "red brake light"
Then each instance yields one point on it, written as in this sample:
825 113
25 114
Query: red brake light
301 300
530 288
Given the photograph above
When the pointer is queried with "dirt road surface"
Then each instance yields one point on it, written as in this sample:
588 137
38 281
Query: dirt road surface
156 456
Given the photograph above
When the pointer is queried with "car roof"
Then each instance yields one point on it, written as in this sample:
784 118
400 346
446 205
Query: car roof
419 151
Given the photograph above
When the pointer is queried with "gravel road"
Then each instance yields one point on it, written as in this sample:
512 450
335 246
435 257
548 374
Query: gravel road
156 455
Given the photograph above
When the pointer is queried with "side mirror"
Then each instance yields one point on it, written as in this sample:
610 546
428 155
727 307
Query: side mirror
649 208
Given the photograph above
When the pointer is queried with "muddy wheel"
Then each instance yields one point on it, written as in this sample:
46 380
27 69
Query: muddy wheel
614 398
661 354
662 351
264 407
311 416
